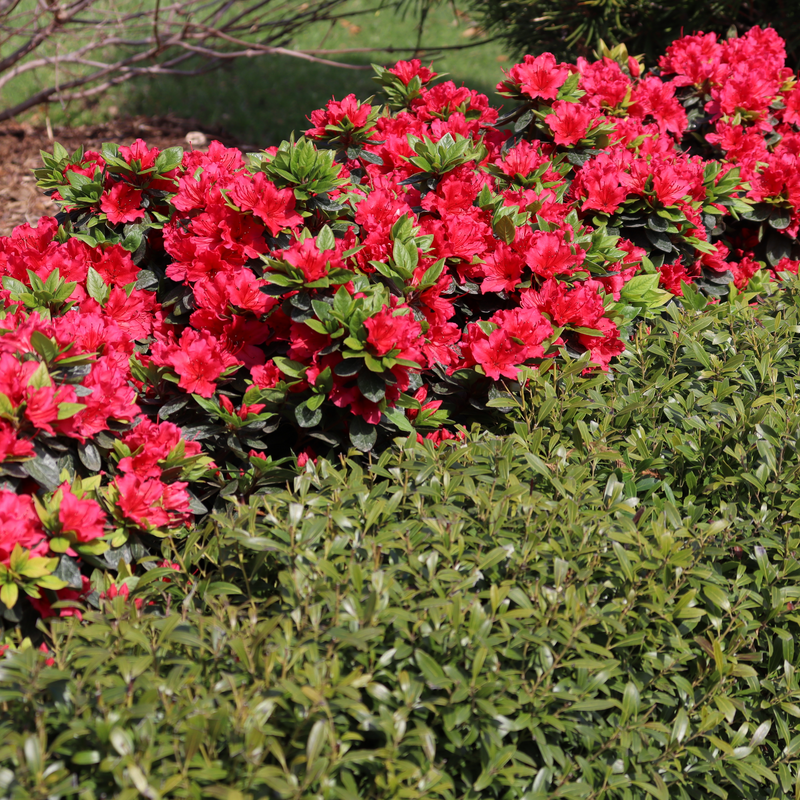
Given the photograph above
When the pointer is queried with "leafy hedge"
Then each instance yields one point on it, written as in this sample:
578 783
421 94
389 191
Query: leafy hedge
599 604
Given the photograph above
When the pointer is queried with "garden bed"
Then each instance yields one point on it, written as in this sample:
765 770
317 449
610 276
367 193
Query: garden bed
21 201
436 453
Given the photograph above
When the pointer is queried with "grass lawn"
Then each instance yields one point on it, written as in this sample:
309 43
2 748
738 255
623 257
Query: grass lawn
263 100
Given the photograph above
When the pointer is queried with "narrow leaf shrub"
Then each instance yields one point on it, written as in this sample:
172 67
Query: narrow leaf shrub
599 604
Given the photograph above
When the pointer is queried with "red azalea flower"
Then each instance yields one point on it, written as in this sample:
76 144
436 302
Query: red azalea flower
550 254
600 182
603 348
124 592
150 503
275 207
537 77
266 376
19 524
151 442
499 355
671 276
569 122
198 359
122 203
84 519
388 332
10 445
43 648
502 270
337 112
406 70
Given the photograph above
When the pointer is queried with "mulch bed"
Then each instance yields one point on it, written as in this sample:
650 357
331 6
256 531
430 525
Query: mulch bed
20 143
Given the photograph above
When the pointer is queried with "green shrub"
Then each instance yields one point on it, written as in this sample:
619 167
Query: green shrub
599 604
569 30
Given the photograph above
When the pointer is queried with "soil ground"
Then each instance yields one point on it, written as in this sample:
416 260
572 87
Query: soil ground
21 201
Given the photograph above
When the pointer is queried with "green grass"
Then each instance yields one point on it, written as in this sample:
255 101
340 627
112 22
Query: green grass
262 100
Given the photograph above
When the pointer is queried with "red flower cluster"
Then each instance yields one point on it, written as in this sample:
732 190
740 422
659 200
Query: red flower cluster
71 318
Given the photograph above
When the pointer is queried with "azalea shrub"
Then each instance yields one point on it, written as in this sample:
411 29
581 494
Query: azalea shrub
194 325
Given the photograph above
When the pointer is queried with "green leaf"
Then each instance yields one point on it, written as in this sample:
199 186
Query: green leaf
523 122
168 159
316 740
431 670
133 239
505 229
781 218
60 544
348 367
17 288
680 726
363 435
778 247
291 368
221 589
68 571
90 456
68 410
630 701
9 594
658 223
44 346
96 286
371 385
399 419
44 469
325 239
717 596
307 417
660 241
40 377
86 757
146 279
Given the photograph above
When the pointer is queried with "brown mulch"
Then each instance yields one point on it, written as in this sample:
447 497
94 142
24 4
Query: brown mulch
20 143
